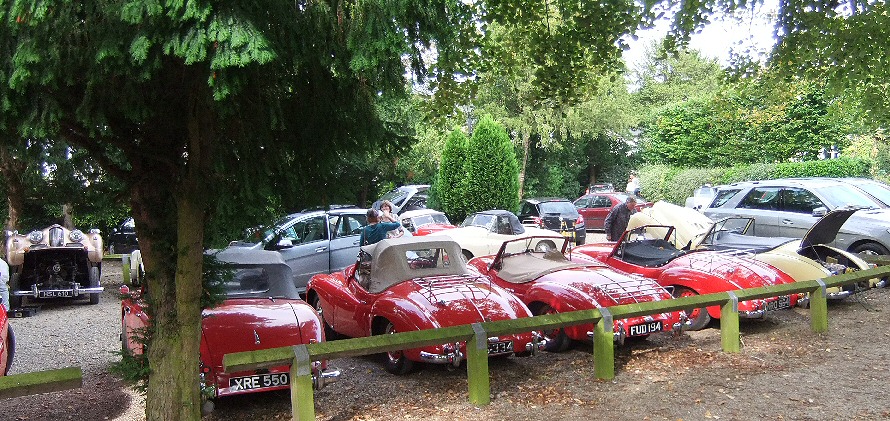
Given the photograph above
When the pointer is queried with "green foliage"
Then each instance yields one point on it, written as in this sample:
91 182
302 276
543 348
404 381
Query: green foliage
449 190
492 170
675 184
873 147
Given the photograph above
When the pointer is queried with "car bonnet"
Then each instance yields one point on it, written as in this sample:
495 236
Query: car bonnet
825 230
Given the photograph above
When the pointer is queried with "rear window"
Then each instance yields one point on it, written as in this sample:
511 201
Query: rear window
723 196
558 207
878 190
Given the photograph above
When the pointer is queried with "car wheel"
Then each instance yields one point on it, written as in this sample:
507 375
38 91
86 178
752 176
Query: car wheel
870 249
698 317
15 301
395 361
329 332
557 340
545 246
94 282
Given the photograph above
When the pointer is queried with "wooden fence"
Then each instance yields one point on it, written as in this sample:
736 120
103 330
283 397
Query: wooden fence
300 357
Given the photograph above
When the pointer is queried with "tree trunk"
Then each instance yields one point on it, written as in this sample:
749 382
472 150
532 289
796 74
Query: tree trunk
68 216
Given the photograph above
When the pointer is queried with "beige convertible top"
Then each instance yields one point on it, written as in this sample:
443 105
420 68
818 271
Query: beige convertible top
392 258
526 267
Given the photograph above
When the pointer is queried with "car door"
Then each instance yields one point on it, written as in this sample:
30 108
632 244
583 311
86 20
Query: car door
796 217
347 229
597 210
764 205
309 253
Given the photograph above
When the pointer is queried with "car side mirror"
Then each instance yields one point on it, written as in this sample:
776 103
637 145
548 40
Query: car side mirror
820 211
284 243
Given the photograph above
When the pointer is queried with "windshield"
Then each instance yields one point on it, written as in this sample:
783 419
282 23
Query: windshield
264 234
878 190
840 196
436 218
479 220
558 207
396 197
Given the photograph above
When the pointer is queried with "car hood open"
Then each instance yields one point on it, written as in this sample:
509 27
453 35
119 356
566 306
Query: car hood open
825 230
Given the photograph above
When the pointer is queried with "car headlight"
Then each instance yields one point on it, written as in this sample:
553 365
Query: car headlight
76 236
35 237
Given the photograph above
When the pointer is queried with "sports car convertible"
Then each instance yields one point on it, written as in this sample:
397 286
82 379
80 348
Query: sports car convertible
416 283
262 310
649 251
549 282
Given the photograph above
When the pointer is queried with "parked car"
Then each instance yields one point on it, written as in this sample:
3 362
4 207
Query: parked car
804 259
406 198
554 214
7 342
701 197
262 310
649 251
425 221
416 283
600 188
122 239
483 233
311 242
789 208
549 282
54 263
595 207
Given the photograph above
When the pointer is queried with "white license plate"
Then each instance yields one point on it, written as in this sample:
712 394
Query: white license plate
645 328
55 294
258 381
783 302
502 347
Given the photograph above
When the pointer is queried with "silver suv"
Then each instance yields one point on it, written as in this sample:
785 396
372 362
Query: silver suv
789 207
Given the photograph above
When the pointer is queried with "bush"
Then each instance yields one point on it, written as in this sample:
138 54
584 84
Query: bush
448 191
492 170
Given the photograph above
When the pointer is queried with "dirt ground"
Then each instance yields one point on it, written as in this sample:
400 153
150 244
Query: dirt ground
784 372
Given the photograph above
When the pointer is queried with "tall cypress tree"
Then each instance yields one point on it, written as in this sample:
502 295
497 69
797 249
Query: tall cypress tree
492 169
449 188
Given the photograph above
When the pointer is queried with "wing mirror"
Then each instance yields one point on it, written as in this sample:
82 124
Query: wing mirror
284 243
820 211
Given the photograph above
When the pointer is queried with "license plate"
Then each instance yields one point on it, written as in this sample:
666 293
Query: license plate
55 294
570 234
258 381
783 302
502 347
645 328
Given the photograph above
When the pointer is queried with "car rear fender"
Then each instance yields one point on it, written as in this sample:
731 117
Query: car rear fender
699 282
404 314
563 300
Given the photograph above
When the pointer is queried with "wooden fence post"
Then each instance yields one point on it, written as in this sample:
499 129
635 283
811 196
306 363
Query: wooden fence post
477 367
125 267
819 308
302 396
729 324
604 346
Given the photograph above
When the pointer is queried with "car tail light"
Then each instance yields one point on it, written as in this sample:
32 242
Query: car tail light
538 221
580 220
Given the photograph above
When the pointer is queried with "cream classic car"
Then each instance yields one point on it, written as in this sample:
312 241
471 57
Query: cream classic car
53 263
803 259
483 233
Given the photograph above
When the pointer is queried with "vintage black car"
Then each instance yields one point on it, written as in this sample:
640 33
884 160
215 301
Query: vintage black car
123 239
54 263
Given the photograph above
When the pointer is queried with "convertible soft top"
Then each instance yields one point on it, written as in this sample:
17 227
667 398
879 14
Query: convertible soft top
258 274
390 260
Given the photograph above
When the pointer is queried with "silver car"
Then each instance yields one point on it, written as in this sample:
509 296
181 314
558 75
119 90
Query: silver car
789 207
311 242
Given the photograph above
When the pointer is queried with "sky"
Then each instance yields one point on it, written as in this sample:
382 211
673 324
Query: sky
753 28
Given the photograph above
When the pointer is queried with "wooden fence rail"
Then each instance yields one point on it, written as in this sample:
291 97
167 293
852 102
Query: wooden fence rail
300 357
40 382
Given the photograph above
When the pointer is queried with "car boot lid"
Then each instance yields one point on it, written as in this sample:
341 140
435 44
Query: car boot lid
825 230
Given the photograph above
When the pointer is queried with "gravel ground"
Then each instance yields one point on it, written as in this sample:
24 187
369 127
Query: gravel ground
783 372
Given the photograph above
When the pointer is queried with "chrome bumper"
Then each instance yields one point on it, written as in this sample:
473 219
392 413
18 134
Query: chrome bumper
57 293
325 377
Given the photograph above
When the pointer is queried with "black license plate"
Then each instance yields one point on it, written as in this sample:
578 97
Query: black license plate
570 234
783 302
645 328
55 294
502 347
258 381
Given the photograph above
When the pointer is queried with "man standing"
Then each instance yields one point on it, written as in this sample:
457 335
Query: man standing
619 216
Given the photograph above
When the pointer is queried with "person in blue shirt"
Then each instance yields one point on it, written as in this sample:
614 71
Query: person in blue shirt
376 230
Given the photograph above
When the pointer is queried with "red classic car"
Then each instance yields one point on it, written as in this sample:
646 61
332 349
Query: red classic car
7 342
549 282
415 283
425 221
594 207
648 251
262 310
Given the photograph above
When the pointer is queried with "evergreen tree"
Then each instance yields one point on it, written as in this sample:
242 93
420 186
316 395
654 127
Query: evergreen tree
492 169
448 192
